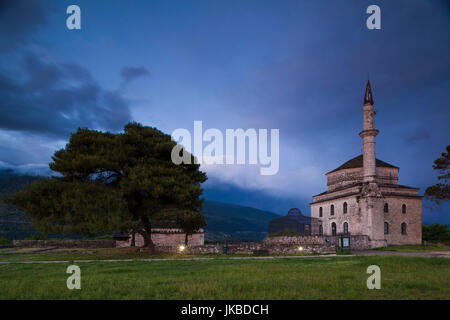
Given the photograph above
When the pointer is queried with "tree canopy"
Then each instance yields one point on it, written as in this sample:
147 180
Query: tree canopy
435 232
441 191
115 182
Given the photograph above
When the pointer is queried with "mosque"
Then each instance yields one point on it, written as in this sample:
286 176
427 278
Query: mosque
363 196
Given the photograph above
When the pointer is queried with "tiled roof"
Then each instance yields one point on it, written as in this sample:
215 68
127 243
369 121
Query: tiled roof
357 162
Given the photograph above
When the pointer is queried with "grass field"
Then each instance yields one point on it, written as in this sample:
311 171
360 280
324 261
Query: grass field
280 278
24 254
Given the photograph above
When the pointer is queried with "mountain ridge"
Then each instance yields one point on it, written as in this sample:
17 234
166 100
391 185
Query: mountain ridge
224 220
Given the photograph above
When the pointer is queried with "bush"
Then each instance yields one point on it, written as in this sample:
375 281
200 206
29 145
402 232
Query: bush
37 236
435 232
104 237
4 242
285 233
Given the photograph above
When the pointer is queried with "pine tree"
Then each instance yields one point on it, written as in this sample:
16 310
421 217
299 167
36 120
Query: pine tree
108 182
441 191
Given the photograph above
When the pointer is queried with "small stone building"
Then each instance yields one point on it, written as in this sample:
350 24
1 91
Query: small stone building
363 196
295 221
164 233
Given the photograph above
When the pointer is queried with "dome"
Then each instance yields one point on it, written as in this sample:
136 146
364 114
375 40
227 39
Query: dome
294 212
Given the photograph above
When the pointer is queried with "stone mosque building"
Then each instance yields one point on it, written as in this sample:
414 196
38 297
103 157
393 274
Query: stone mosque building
364 197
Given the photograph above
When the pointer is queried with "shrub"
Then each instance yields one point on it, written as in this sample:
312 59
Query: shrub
104 237
4 241
37 236
435 232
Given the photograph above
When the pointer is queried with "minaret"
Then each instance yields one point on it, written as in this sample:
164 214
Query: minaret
368 135
372 203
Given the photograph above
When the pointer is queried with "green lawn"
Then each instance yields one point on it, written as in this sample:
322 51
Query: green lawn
25 254
76 254
280 278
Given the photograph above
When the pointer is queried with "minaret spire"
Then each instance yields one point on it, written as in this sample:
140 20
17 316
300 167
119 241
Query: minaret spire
368 135
368 99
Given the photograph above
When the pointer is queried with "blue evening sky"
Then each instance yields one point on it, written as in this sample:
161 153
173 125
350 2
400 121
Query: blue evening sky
297 66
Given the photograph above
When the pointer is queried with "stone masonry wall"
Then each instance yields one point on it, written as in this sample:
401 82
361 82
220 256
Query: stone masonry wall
166 239
273 245
412 218
253 248
91 244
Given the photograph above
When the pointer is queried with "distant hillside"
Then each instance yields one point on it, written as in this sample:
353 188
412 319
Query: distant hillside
13 224
223 220
229 220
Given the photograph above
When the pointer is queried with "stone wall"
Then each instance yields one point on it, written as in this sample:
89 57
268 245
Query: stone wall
357 242
344 177
65 243
325 243
412 218
175 237
273 245
353 217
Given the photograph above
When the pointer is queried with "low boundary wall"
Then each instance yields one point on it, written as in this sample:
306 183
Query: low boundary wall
90 244
272 245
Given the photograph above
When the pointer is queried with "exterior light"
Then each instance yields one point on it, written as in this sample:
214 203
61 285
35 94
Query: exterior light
181 248
300 248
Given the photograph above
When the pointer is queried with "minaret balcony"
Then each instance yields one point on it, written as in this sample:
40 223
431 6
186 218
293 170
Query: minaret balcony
369 133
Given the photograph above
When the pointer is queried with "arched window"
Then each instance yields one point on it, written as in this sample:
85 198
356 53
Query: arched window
345 228
320 230
403 228
320 212
386 228
386 207
345 207
332 210
403 208
333 229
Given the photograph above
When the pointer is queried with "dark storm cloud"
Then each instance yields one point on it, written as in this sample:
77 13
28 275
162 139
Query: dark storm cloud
56 98
130 74
45 96
419 135
19 19
407 56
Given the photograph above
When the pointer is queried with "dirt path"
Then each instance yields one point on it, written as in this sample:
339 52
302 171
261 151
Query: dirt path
442 254
426 254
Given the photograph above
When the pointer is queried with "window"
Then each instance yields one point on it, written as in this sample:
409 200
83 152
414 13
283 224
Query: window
320 212
386 207
403 208
320 230
403 228
333 229
345 207
345 228
332 210
386 228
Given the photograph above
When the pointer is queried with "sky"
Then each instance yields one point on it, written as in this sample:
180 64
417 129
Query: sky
297 66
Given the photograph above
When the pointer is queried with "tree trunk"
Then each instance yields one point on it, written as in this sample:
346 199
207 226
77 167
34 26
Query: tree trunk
186 239
147 235
133 239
